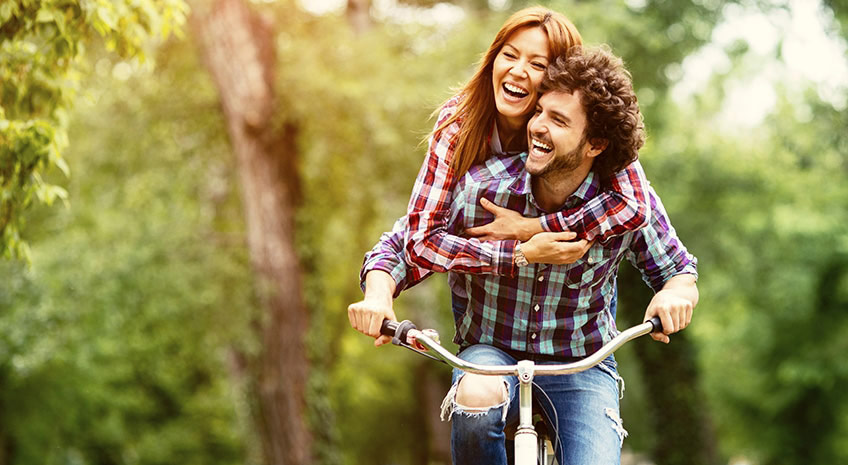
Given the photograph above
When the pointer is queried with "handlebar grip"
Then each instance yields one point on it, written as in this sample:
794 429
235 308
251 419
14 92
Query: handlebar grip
398 331
657 324
388 328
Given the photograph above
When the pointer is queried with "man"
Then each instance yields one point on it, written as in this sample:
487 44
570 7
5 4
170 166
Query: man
548 313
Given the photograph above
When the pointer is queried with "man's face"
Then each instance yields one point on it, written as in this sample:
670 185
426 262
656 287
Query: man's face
556 134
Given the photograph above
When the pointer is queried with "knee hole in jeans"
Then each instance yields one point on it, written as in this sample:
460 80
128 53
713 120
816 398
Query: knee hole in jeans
481 392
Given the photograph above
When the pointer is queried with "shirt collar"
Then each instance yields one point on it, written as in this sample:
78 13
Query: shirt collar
589 188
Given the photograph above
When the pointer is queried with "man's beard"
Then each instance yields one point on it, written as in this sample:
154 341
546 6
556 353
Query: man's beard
562 164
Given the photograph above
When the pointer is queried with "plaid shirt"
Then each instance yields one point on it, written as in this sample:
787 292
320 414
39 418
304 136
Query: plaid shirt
555 310
614 211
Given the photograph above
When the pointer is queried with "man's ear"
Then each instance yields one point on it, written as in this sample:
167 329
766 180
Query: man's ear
596 147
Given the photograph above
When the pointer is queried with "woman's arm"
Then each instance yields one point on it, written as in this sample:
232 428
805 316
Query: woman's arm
428 244
620 209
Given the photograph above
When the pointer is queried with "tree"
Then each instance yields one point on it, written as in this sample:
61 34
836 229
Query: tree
238 48
43 46
115 339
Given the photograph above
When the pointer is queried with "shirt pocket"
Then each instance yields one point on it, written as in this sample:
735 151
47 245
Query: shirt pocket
592 269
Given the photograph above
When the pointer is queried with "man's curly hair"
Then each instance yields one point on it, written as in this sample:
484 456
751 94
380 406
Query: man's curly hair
607 95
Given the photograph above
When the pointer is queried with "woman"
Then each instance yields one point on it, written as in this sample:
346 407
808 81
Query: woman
489 116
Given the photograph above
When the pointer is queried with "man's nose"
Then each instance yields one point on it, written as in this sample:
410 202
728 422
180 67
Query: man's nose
537 126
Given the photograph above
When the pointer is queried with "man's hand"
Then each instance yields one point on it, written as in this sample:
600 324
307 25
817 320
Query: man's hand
555 248
367 315
674 305
508 224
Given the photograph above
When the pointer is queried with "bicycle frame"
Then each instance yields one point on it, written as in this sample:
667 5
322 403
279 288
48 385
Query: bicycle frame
426 343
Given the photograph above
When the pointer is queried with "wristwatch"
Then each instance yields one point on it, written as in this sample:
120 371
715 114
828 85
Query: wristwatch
518 257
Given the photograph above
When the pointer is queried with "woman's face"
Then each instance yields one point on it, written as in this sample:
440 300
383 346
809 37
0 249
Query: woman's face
516 74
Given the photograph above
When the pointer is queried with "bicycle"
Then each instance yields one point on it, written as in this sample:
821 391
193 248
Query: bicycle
530 448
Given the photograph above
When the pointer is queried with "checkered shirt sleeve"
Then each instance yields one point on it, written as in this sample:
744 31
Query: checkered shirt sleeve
387 255
657 252
428 243
621 208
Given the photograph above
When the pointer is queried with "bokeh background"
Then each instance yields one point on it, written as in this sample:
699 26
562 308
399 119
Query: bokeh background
188 189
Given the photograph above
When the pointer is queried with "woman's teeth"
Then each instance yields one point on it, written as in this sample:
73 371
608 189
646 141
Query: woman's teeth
515 90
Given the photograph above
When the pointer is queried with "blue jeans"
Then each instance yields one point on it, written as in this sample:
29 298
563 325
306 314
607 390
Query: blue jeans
585 406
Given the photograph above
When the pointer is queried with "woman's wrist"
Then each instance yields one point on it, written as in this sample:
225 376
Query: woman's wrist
530 227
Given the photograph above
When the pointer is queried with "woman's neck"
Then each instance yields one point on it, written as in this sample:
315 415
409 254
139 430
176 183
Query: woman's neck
511 133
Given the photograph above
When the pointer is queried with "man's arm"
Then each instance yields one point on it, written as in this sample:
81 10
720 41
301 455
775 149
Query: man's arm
668 268
383 276
367 315
388 255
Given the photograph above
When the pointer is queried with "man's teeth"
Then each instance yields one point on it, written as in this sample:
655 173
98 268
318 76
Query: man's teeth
515 89
542 146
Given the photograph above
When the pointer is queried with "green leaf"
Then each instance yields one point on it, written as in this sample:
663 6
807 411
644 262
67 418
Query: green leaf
6 11
44 16
107 17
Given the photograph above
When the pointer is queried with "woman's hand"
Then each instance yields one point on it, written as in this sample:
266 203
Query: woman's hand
508 224
555 248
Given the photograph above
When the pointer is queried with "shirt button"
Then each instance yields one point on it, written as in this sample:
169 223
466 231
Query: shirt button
541 278
590 260
536 307
533 336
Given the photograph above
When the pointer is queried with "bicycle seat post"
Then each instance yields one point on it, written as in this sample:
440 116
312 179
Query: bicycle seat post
526 440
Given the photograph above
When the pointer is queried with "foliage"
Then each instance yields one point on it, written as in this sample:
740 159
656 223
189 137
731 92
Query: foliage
120 343
43 46
760 210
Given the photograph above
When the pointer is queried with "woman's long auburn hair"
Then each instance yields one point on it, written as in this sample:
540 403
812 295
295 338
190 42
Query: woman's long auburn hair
476 110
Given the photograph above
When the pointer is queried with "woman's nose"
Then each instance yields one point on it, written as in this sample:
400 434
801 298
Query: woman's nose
519 70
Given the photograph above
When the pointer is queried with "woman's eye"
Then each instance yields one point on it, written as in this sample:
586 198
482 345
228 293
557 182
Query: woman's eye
539 66
509 55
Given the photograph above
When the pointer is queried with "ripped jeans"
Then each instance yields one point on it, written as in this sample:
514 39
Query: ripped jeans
585 406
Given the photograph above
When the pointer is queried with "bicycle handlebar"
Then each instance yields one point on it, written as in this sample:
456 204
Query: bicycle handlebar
405 333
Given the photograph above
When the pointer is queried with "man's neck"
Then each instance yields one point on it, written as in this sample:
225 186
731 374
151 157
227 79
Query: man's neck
553 189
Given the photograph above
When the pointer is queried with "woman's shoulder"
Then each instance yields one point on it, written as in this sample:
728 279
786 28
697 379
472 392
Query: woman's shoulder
449 109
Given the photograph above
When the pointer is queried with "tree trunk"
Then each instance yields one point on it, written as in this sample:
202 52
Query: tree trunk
359 15
238 49
430 388
680 420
